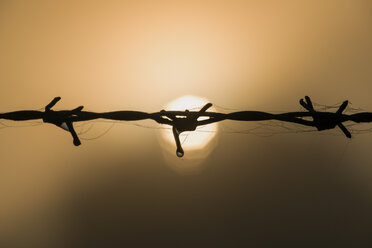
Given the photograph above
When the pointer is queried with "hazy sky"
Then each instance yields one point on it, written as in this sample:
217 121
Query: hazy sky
139 55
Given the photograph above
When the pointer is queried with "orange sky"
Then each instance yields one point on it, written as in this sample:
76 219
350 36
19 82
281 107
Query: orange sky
140 55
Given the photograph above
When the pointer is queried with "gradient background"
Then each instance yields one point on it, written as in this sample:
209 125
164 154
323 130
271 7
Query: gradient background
293 189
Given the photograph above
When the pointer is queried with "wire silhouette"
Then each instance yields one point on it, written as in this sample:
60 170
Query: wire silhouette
182 121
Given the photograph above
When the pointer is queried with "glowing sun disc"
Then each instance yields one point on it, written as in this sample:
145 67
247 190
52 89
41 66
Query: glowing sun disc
203 134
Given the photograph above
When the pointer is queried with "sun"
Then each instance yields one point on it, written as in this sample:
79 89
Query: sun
199 138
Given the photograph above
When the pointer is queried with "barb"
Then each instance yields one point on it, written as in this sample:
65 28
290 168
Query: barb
182 121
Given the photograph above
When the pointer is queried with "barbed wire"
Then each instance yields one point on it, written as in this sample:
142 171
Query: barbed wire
267 124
